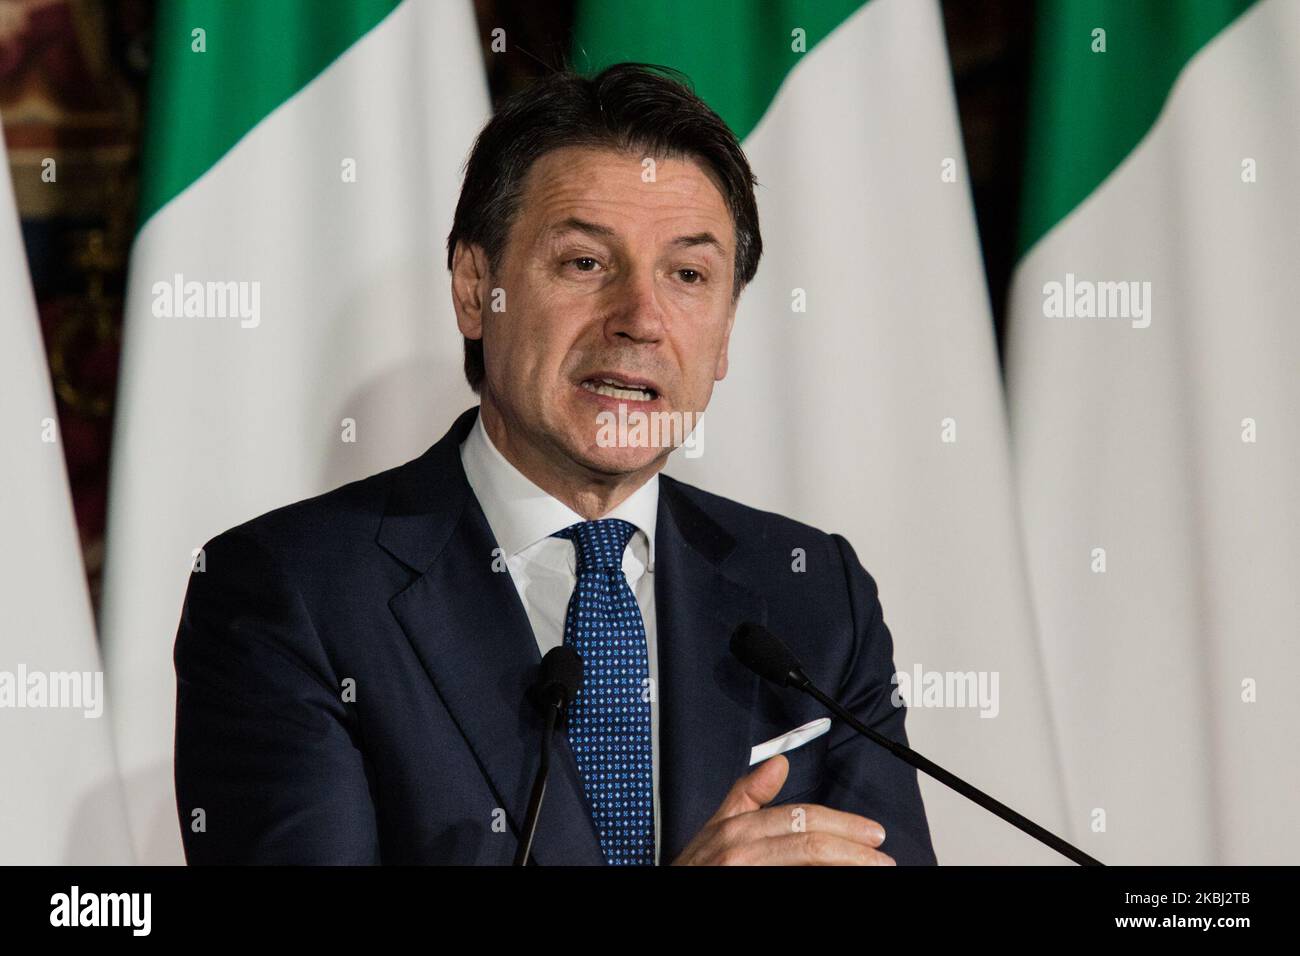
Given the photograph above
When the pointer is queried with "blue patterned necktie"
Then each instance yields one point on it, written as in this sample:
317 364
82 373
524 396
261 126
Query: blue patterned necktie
609 720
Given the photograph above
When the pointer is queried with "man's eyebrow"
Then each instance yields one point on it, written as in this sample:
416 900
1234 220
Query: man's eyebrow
701 239
574 224
596 230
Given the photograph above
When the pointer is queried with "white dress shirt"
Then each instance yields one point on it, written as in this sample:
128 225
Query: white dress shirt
544 569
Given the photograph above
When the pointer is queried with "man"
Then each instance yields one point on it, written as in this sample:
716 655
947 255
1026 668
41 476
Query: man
353 669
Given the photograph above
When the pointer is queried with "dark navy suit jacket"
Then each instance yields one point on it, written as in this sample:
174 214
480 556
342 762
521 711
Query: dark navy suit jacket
352 674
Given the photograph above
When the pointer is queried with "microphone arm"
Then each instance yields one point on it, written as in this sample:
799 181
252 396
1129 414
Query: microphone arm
558 682
910 756
539 788
767 655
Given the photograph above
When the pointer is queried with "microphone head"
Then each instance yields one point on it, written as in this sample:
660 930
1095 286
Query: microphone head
765 654
560 677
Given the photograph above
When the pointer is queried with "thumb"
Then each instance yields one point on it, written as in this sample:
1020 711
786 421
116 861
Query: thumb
756 789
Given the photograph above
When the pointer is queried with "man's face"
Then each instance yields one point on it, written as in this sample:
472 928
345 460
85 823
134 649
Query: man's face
616 291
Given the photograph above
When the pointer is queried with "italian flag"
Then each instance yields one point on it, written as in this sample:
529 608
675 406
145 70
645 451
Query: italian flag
1154 395
864 394
60 797
288 318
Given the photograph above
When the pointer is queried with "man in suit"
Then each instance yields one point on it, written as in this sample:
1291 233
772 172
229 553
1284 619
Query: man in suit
353 669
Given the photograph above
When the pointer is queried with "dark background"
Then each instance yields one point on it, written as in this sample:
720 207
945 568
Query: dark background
73 86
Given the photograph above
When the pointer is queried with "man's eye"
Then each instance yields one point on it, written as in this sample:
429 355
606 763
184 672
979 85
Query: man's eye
690 276
584 263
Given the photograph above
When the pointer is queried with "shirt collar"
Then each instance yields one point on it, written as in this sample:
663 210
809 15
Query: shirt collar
520 513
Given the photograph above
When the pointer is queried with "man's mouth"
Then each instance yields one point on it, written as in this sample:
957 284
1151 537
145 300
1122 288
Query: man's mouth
626 390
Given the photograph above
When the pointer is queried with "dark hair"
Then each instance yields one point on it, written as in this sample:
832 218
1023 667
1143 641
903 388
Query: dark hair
628 106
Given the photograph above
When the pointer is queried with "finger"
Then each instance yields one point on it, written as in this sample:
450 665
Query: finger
813 818
756 789
811 848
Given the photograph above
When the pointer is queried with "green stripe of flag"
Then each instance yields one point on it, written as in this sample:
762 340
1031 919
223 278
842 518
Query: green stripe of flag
259 53
1087 111
736 52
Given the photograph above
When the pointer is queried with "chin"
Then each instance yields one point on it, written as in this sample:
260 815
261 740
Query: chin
618 461
603 448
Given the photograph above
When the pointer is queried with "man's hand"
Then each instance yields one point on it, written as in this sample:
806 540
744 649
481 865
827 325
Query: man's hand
746 832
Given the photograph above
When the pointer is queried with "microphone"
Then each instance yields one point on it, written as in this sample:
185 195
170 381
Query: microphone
558 681
767 656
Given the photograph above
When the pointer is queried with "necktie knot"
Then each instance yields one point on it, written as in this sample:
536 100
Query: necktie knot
599 544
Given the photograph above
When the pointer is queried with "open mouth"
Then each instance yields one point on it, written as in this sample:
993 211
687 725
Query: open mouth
621 389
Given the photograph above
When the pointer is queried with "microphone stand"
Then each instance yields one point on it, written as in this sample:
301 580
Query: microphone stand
800 680
539 787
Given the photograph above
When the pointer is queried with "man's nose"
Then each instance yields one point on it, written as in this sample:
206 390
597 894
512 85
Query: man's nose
635 311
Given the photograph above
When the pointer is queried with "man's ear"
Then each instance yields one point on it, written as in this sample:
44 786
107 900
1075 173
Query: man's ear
469 288
720 372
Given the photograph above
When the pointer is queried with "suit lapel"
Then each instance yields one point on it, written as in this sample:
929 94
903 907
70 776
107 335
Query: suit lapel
707 697
472 636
